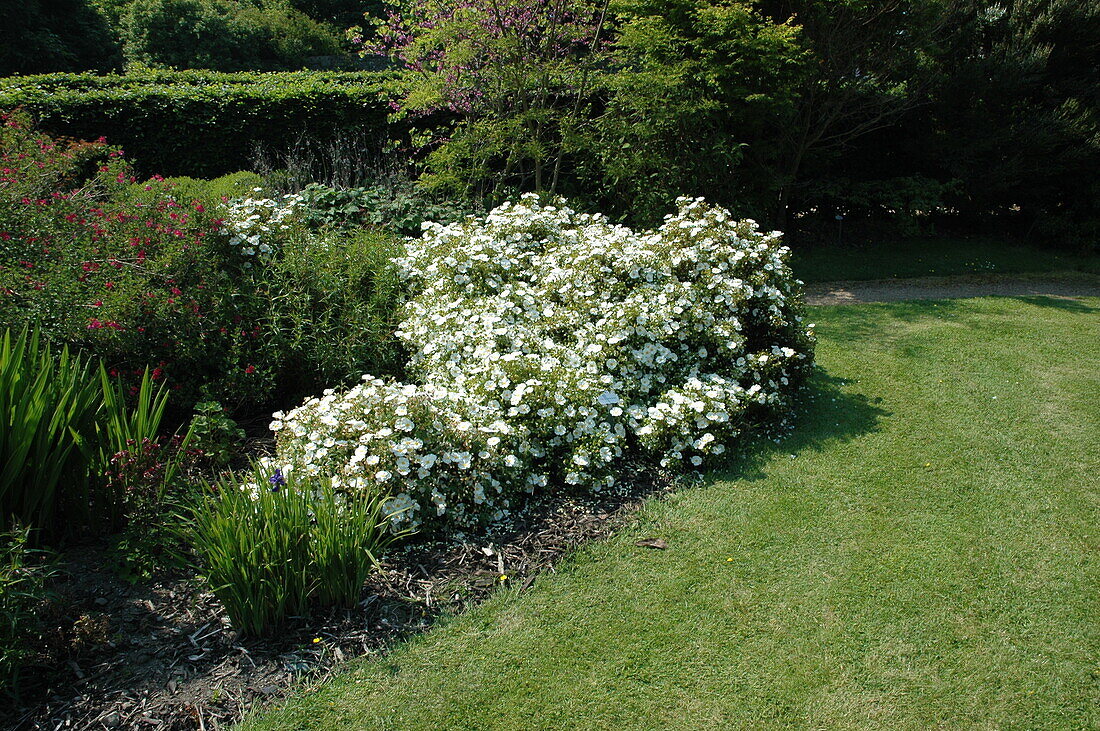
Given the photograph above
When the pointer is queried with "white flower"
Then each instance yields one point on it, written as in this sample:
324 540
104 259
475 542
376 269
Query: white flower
607 398
539 338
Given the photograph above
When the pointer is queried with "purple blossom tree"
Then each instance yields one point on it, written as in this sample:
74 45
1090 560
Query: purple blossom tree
511 77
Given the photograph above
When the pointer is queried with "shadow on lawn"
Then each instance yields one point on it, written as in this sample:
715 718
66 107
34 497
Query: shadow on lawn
874 321
871 322
1060 303
829 412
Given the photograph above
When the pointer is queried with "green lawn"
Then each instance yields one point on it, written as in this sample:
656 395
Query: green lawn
923 553
934 257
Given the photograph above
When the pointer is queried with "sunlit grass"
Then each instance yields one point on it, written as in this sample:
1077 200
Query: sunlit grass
922 553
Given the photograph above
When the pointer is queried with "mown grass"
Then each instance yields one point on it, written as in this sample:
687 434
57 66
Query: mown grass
923 552
934 257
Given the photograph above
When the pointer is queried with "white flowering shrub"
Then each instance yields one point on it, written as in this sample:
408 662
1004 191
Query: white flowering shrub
254 225
548 344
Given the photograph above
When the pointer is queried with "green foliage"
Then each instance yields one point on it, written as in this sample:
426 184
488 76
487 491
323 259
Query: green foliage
214 434
201 123
696 82
398 208
273 544
341 13
48 405
1017 113
336 307
75 444
187 190
511 77
139 477
901 206
222 35
41 36
144 275
137 463
22 590
126 272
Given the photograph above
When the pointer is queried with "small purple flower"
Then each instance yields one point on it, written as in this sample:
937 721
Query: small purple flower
277 480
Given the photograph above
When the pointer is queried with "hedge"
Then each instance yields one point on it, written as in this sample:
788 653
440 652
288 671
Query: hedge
202 123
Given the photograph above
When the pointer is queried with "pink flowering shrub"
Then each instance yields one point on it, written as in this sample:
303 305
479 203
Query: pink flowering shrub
513 76
136 278
144 277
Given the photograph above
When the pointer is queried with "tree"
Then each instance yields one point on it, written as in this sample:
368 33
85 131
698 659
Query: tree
1018 112
870 66
42 36
509 77
691 102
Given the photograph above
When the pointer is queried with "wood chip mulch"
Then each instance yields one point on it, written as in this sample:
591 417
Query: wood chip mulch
162 655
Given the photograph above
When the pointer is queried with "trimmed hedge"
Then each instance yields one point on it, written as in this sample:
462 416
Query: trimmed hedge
202 123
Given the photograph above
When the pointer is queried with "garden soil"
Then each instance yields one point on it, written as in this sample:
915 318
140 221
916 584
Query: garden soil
161 654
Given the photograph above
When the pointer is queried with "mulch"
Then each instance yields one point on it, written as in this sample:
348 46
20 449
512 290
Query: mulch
162 654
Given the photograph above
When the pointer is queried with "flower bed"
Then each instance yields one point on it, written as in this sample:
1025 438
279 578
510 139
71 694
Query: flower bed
235 300
546 345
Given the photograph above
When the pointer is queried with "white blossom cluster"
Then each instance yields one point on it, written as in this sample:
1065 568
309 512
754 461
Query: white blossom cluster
253 224
548 344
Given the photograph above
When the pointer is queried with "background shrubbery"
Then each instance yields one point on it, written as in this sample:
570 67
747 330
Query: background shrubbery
203 124
906 117
230 35
221 35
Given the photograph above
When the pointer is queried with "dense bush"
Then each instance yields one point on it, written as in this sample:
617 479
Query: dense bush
41 36
281 541
400 207
143 276
201 123
546 345
219 190
336 309
222 35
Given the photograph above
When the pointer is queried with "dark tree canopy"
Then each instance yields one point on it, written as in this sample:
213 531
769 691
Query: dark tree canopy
41 36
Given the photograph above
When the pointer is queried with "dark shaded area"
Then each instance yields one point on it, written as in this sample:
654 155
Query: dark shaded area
1061 303
42 36
829 411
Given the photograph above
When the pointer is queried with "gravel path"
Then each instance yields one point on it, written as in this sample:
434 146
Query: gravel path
1063 285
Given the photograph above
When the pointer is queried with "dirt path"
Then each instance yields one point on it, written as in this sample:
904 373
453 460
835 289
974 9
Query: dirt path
1061 284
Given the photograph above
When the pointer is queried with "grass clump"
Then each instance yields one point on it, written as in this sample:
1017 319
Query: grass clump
276 543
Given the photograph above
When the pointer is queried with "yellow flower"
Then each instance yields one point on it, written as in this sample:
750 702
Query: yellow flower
316 640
